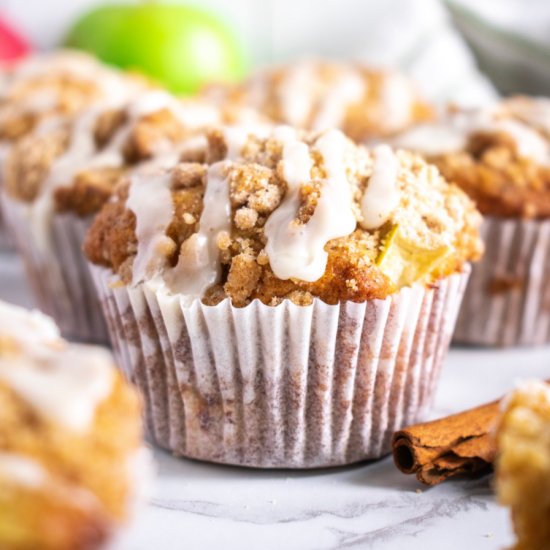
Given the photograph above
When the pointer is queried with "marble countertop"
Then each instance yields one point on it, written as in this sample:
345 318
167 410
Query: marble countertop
204 506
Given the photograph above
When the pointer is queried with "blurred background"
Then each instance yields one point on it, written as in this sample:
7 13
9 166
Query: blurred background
460 50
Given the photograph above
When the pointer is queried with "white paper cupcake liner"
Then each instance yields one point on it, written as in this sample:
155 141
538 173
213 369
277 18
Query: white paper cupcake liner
287 386
58 273
6 241
507 301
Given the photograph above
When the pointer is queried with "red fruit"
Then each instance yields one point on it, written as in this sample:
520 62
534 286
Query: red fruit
12 44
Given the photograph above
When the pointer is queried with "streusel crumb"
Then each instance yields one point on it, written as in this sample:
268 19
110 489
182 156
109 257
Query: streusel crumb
317 95
430 217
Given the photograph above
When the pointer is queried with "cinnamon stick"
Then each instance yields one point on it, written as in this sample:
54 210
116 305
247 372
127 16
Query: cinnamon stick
455 445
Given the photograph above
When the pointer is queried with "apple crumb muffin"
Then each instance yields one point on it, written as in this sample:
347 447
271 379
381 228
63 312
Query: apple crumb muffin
71 457
317 95
500 156
523 464
293 215
331 272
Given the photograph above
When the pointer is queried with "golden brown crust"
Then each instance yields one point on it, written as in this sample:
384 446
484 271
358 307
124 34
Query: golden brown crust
90 190
431 214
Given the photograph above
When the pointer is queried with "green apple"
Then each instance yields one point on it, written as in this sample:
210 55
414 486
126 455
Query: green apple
179 46
404 262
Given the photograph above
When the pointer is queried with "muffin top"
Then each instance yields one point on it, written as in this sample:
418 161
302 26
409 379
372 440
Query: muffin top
76 161
289 215
317 95
54 84
70 433
500 155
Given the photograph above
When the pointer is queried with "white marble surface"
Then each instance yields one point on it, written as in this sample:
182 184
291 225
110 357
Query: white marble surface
204 506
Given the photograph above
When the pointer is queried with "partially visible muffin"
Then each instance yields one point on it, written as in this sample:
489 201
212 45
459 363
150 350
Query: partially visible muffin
523 464
61 83
71 457
500 156
39 89
316 95
75 162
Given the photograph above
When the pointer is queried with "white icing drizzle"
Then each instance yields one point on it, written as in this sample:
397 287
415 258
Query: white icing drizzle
198 265
348 89
115 86
235 138
284 133
452 134
381 196
22 470
397 97
64 383
82 152
534 111
144 105
529 143
27 327
432 139
152 219
297 250
295 94
81 148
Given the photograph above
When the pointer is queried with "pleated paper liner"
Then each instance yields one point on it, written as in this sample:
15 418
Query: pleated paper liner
507 301
281 387
6 240
57 272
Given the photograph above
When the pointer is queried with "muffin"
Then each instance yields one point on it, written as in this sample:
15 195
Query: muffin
288 306
41 87
523 465
71 457
317 95
57 178
501 157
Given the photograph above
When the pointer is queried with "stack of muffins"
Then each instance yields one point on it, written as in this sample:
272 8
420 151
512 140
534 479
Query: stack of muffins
282 294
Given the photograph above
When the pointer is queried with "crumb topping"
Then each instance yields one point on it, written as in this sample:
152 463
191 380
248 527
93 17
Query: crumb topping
499 155
76 162
62 83
287 218
317 95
